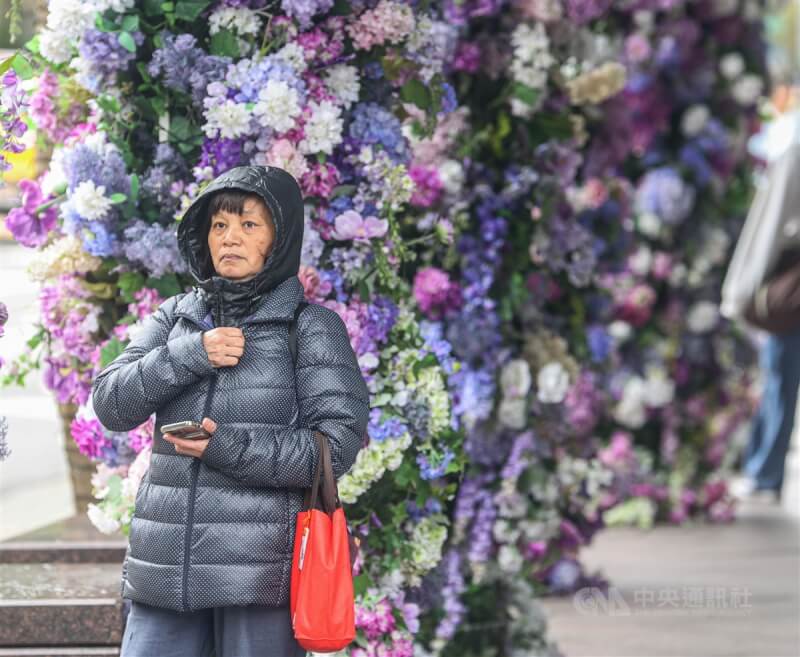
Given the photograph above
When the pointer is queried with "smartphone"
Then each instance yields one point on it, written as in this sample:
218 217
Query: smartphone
186 429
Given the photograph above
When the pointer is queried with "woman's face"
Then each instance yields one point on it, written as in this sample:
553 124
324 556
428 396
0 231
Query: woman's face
239 245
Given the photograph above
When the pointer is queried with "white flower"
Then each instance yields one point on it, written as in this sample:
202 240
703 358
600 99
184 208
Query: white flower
89 201
731 65
99 519
694 120
343 82
620 330
451 173
278 105
552 383
229 118
323 130
649 224
55 46
294 55
532 57
513 413
119 6
509 559
702 316
641 261
631 410
747 89
659 390
70 18
515 378
241 20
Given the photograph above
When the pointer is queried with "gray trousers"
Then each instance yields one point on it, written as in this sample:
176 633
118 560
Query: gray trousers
245 631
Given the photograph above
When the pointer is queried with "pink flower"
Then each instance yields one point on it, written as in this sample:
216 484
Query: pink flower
427 185
467 57
637 48
350 225
662 265
619 453
595 193
435 292
320 180
315 289
90 436
282 153
637 304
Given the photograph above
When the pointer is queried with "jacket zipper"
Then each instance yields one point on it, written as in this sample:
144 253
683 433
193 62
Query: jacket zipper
190 510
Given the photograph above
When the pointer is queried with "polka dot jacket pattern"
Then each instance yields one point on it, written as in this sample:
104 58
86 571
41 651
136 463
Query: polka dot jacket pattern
227 539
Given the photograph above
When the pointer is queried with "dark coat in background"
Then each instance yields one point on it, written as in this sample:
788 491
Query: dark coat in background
218 531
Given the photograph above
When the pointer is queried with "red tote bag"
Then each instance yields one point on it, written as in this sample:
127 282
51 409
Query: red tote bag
322 602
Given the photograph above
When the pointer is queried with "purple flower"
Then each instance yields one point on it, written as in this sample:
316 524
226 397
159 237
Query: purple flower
350 225
583 11
153 246
429 470
600 342
373 124
27 226
304 10
221 154
106 56
664 193
185 67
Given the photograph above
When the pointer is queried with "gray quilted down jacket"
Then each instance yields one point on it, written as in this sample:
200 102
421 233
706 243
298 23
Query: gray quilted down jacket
219 530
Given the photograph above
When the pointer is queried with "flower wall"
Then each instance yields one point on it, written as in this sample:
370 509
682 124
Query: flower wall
521 210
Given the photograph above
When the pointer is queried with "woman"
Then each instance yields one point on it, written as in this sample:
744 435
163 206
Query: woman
209 560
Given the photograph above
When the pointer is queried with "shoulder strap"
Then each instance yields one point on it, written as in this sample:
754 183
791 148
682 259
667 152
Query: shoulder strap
293 329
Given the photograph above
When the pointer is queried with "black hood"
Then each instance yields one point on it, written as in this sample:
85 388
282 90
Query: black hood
228 300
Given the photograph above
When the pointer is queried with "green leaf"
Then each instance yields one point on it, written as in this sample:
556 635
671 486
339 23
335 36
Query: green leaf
108 104
33 45
22 67
361 583
128 283
108 353
526 94
224 44
118 198
134 187
180 128
189 11
341 190
130 23
152 7
126 41
168 6
6 64
166 285
363 290
414 91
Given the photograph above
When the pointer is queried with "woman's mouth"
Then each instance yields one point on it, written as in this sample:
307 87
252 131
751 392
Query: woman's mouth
231 257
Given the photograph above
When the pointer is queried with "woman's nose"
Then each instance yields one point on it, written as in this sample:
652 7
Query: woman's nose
232 235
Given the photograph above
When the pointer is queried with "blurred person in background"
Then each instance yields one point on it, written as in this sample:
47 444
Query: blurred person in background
763 288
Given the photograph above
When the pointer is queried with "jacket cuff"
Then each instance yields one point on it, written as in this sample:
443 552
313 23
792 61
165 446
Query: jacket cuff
188 351
224 450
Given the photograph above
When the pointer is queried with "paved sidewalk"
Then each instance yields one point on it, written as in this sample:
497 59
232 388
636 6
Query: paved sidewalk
34 481
693 591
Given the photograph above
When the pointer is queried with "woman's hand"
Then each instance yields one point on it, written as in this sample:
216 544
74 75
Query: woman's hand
224 345
192 447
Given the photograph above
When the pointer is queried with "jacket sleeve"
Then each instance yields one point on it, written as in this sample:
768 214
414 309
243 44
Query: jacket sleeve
149 372
333 399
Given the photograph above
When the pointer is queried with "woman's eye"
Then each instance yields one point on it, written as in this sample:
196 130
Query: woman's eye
249 223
